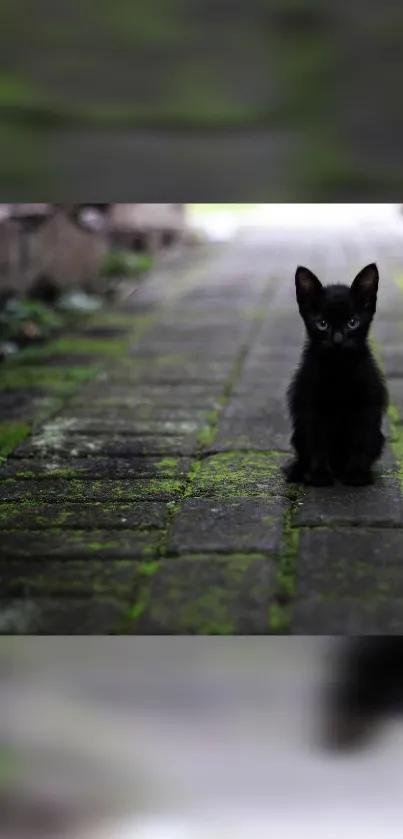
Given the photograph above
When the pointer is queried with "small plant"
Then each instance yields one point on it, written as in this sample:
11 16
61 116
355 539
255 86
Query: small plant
24 321
120 263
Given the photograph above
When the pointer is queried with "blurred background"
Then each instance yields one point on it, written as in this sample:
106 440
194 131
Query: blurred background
62 261
279 100
159 738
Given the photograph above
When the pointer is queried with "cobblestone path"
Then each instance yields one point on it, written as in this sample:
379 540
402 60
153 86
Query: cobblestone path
141 489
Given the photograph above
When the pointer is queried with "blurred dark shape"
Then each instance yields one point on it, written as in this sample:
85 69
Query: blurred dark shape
177 99
43 288
366 687
298 20
33 818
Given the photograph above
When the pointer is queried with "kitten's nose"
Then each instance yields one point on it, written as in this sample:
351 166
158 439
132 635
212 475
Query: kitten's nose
338 338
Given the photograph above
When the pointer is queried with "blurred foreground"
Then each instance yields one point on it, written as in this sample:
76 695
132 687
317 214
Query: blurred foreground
215 100
183 739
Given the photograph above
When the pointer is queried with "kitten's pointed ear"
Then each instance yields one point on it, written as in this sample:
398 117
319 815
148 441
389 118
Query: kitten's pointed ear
365 287
307 285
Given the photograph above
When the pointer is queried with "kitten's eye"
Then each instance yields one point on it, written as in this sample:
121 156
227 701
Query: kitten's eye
353 323
322 324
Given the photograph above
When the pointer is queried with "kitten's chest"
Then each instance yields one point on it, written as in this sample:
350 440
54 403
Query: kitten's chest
337 397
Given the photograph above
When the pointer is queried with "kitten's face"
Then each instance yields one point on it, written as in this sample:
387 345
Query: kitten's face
337 317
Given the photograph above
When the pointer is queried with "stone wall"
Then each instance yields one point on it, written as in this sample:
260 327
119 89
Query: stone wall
147 227
63 245
53 243
67 253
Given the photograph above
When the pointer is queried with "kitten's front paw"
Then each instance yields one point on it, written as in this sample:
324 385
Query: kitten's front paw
320 478
293 472
357 477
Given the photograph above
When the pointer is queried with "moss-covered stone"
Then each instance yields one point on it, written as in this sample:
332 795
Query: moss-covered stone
11 435
226 525
63 381
240 473
69 578
95 468
204 596
58 438
107 515
79 544
70 490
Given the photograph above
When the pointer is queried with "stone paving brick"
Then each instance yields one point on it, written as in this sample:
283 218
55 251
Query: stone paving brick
350 616
65 490
396 394
115 516
392 360
258 404
59 360
97 467
26 402
257 434
173 374
163 395
132 426
69 578
69 444
380 504
206 595
248 473
141 413
273 383
102 544
229 525
350 562
58 616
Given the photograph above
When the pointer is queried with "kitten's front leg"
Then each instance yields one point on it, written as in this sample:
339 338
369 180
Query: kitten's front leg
366 444
310 443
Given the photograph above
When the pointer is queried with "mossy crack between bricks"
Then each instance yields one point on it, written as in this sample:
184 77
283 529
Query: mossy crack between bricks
280 610
394 420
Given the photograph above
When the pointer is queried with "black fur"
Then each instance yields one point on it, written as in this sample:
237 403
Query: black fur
337 396
366 687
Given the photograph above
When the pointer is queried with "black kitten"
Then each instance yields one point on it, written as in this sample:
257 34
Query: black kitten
366 687
337 396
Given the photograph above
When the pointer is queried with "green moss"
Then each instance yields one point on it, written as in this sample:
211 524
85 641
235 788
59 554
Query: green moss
135 612
286 564
167 463
269 520
61 380
393 414
241 473
145 570
206 437
206 614
396 428
11 435
191 477
25 473
87 346
211 611
120 263
12 767
148 569
79 578
279 618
